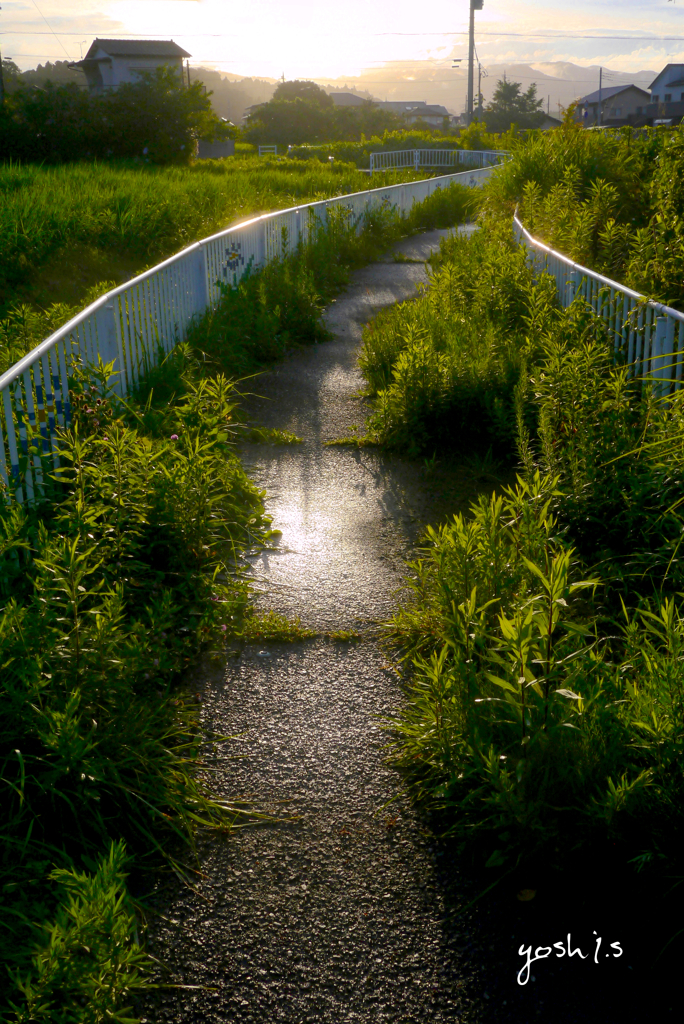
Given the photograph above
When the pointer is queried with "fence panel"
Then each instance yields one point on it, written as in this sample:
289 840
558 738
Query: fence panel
131 324
403 158
647 334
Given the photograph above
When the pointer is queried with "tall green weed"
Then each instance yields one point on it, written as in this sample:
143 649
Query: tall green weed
442 370
608 200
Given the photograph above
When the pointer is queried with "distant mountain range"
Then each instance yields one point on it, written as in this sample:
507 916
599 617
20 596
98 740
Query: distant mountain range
558 82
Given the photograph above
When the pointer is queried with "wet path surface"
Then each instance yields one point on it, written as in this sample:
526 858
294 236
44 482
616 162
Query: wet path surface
337 915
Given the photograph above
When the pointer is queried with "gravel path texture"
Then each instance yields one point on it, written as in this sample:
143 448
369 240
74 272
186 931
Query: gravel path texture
347 909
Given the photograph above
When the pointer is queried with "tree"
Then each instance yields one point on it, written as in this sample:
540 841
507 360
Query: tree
308 91
58 72
11 75
311 116
510 106
156 120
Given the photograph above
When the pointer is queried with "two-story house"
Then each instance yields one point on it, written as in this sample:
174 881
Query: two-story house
620 104
111 62
667 96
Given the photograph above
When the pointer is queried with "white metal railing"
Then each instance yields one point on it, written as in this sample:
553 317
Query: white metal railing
132 324
416 158
646 334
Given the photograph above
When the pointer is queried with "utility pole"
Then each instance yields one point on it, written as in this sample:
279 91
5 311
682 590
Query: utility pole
598 120
475 5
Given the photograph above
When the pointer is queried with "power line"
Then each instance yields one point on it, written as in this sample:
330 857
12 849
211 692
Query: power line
49 26
508 35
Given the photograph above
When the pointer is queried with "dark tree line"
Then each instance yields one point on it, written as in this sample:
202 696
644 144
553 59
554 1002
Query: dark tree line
303 112
157 120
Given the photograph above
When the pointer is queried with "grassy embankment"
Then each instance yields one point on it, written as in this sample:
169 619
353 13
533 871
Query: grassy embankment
109 590
546 632
67 230
358 153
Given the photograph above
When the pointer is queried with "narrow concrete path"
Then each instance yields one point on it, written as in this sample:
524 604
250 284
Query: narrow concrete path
338 915
348 516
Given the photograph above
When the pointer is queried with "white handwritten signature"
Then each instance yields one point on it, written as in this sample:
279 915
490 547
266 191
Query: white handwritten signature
541 952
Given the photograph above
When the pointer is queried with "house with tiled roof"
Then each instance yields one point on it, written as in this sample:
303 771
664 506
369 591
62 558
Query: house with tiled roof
620 104
111 62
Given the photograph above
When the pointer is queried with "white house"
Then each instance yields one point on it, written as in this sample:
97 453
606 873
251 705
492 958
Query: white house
668 87
111 62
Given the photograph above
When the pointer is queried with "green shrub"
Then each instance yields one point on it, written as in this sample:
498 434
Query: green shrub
523 726
86 961
443 369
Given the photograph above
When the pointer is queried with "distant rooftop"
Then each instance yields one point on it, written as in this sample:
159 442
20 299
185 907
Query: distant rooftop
137 48
613 90
346 99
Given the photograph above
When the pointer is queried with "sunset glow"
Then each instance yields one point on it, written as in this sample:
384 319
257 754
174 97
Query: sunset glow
303 39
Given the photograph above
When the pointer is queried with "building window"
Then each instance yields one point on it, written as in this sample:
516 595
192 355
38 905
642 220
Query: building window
638 110
617 112
682 97
668 97
654 99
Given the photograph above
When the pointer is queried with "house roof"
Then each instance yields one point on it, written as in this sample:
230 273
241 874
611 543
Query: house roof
430 110
661 73
402 104
346 99
137 48
606 94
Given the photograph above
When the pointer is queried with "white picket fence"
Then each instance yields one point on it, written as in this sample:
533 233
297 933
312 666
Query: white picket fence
646 334
131 325
400 159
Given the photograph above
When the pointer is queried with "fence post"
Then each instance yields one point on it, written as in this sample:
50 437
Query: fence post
657 358
201 281
114 345
260 247
571 288
416 159
668 372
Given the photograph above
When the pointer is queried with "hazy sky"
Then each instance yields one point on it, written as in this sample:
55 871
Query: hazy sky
310 39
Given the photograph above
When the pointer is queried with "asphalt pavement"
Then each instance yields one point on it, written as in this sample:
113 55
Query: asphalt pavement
347 909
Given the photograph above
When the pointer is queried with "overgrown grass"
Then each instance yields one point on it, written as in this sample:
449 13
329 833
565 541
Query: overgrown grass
109 589
64 229
442 370
611 201
544 633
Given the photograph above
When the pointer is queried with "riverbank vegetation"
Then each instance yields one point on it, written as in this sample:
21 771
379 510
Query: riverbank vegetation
544 631
610 200
67 229
111 587
358 152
